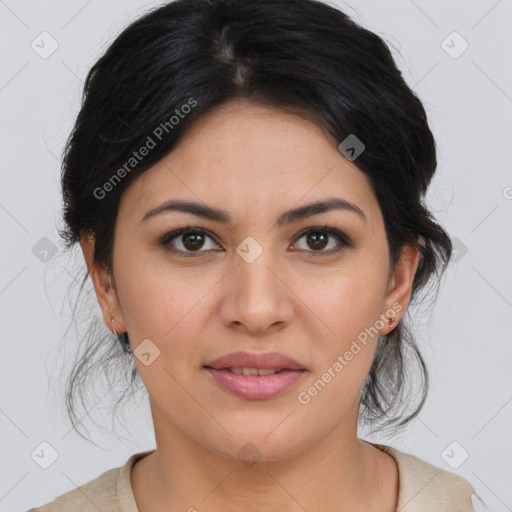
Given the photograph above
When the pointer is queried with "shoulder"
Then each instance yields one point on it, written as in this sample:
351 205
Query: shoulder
421 485
98 493
109 492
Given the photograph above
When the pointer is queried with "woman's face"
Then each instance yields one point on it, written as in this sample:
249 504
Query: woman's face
252 283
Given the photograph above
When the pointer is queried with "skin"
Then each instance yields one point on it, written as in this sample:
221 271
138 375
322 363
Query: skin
254 162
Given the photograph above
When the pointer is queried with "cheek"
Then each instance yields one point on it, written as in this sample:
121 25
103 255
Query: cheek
166 306
348 302
160 302
347 299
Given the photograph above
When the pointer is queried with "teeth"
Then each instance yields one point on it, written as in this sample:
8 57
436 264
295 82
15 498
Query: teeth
252 371
266 371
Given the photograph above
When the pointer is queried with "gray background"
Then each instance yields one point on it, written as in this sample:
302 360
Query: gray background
466 341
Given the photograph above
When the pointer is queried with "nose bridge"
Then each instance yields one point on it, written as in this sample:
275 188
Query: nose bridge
256 279
258 296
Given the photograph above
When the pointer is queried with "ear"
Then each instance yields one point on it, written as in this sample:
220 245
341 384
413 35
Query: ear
400 286
105 291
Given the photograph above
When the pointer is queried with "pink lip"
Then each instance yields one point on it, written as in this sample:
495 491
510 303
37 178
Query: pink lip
256 387
254 360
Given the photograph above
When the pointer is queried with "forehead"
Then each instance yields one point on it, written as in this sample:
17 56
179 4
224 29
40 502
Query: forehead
248 158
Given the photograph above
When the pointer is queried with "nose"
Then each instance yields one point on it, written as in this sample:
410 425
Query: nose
257 299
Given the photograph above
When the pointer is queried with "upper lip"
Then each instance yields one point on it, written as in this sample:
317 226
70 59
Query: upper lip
255 360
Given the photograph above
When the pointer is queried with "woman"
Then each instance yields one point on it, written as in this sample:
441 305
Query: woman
246 179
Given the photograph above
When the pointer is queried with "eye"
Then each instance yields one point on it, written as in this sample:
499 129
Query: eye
188 240
318 238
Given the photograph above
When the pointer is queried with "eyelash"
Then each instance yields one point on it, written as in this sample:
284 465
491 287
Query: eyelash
338 235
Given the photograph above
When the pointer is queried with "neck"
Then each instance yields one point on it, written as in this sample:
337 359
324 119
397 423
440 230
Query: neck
339 473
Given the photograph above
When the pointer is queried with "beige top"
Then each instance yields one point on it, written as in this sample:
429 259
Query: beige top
422 488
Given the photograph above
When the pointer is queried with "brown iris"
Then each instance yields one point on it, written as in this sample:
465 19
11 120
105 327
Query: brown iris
317 239
193 241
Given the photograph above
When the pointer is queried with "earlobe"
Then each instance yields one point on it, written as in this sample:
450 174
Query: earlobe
400 287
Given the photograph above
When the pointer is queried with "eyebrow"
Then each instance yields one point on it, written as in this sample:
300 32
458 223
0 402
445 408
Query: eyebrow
288 217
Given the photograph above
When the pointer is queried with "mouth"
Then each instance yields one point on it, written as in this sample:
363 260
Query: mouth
240 370
251 363
255 376
255 383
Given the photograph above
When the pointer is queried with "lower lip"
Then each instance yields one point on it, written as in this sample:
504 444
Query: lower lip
256 387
